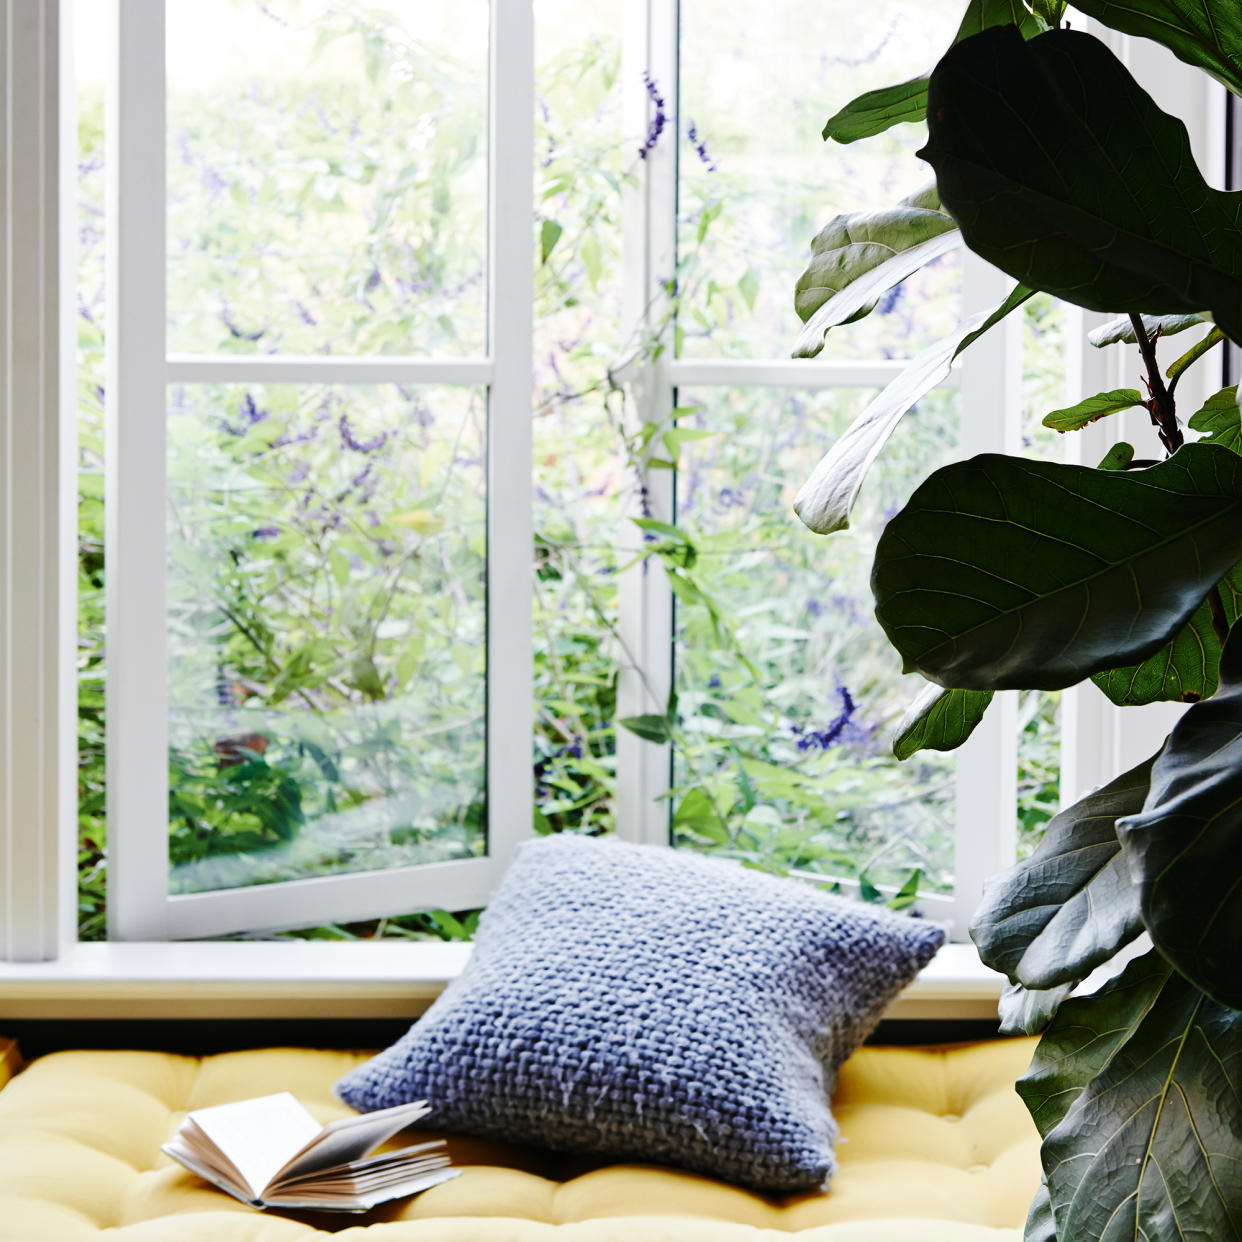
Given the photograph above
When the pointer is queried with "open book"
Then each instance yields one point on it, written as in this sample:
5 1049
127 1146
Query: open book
270 1152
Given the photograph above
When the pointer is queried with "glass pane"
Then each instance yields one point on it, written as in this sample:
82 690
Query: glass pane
579 446
1044 328
90 71
327 630
788 689
327 176
757 182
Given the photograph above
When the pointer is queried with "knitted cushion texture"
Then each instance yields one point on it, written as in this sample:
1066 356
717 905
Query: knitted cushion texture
648 1004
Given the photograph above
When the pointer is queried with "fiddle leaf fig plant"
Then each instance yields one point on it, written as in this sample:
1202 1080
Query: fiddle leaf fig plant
1054 164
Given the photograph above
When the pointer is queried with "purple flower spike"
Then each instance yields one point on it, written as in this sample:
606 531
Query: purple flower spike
360 446
656 127
700 148
823 739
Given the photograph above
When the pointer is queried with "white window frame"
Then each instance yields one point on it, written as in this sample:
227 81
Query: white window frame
986 779
38 507
140 906
38 553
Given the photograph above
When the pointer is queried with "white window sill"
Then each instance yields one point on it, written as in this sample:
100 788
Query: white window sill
314 979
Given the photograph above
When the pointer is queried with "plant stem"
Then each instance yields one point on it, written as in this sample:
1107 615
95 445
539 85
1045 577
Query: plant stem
1161 407
1163 412
1216 606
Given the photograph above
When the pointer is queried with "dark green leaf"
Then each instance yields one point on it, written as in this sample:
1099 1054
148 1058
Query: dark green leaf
1076 416
1218 419
826 499
1118 457
549 234
1076 1046
1002 573
1049 12
1045 182
1206 33
851 245
1122 329
650 728
1026 1011
1040 1227
939 719
1184 670
1184 846
1143 1082
876 111
868 891
1068 908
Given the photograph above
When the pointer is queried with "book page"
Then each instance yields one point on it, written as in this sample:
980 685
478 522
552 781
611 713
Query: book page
190 1159
362 1171
367 1199
347 1140
258 1136
406 1157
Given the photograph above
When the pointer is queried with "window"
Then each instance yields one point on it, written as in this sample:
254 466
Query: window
319 488
376 775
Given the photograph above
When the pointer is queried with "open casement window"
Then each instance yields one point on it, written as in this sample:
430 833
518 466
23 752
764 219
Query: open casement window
390 453
748 424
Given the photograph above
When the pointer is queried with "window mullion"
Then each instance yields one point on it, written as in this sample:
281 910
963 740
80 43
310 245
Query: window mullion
987 765
37 530
510 527
646 605
135 476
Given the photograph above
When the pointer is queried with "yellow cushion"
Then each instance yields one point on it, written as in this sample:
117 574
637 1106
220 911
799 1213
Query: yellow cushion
935 1147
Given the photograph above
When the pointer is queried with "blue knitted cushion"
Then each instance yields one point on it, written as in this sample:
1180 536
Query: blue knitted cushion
648 1004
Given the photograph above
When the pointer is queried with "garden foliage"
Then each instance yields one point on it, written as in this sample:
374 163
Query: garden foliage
1002 572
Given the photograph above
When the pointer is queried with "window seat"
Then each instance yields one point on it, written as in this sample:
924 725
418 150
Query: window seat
936 1146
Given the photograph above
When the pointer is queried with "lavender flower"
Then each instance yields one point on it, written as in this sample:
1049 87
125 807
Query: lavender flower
238 333
249 415
823 739
887 303
359 446
700 148
656 126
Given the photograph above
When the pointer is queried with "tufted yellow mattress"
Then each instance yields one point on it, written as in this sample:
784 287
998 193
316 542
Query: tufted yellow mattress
935 1147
